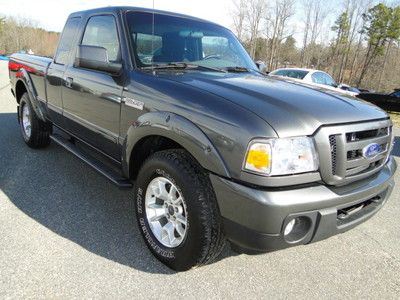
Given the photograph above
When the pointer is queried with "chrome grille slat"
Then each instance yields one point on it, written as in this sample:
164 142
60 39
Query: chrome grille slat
361 144
356 170
341 150
364 162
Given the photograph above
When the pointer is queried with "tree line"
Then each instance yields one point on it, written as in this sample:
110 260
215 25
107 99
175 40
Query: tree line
357 42
23 34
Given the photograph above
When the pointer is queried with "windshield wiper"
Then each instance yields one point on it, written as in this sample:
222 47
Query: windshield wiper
181 66
166 66
237 69
209 68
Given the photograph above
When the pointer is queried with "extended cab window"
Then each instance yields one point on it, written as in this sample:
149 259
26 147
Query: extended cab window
67 40
102 31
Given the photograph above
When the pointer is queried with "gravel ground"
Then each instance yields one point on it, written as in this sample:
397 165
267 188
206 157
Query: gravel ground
67 232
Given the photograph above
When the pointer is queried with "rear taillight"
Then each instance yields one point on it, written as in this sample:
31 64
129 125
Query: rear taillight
13 66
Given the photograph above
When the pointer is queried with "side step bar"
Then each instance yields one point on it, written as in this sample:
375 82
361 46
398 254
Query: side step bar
115 178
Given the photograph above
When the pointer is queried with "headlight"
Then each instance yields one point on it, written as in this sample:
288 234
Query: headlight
281 156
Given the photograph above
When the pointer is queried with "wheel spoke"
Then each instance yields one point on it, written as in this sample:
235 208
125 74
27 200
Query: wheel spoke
154 206
170 230
181 219
172 193
177 201
157 217
155 190
158 212
162 189
179 228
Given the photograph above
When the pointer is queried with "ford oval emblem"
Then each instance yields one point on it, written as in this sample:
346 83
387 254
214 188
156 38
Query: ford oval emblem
371 150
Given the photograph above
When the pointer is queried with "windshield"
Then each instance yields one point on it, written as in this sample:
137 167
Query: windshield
396 94
179 39
298 74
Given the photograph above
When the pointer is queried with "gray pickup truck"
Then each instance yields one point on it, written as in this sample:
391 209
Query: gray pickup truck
174 108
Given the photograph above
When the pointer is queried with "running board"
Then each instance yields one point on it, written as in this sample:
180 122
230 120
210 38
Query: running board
107 172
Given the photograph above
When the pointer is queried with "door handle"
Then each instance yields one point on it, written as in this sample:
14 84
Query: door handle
68 82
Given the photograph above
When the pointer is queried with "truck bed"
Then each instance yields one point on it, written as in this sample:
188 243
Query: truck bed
36 66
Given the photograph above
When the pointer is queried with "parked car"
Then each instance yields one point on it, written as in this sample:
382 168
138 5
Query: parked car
365 90
211 148
312 77
389 102
349 88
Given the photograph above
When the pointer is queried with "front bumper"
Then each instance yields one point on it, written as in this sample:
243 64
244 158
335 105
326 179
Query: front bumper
255 219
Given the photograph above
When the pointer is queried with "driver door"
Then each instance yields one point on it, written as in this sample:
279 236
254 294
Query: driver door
92 99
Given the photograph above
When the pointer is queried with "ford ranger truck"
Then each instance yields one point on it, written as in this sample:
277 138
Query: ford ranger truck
173 108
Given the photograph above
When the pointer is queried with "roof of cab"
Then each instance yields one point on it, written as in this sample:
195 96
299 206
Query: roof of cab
119 9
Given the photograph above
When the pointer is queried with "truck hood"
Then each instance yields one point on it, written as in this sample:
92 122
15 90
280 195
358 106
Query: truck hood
290 108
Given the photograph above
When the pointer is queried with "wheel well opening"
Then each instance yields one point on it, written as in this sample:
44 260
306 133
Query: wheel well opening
20 89
146 147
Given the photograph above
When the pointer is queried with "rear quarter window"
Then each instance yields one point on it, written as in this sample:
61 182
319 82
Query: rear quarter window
67 40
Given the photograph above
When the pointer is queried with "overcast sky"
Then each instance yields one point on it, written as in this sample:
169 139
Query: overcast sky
52 13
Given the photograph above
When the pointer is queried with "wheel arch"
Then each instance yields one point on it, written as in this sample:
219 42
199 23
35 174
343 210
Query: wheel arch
156 131
24 85
20 89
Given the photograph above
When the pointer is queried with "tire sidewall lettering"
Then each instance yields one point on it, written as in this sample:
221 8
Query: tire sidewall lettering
148 236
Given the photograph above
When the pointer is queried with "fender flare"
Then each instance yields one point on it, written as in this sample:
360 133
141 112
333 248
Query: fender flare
26 80
180 130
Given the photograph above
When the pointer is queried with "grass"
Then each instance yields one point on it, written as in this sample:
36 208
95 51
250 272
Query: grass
395 118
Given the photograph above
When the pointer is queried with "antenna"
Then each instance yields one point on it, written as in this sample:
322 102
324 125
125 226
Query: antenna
152 40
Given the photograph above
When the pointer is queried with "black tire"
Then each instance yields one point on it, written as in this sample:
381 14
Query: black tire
40 131
204 240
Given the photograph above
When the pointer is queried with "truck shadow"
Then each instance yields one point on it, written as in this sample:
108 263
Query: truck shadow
66 196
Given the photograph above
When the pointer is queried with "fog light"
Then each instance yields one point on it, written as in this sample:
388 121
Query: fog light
297 229
289 227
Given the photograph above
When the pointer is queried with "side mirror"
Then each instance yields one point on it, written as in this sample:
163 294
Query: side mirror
261 66
96 58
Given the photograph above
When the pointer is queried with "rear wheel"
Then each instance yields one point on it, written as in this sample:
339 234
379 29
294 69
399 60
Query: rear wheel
177 211
35 132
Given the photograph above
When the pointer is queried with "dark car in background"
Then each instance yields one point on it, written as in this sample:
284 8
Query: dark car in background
388 102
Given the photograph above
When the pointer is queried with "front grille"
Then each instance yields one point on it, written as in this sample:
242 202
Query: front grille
345 160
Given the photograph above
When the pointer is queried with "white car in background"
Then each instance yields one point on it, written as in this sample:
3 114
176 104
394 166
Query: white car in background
312 77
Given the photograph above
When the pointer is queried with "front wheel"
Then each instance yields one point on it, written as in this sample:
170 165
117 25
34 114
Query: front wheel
177 211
